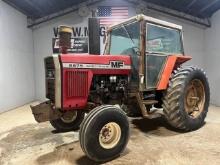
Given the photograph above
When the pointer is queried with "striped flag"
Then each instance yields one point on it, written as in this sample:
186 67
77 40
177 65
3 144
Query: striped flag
110 15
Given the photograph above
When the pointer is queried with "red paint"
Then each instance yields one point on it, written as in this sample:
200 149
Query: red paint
74 99
94 59
173 61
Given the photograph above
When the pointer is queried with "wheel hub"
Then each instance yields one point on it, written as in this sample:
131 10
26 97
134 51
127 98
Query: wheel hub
110 135
69 116
194 98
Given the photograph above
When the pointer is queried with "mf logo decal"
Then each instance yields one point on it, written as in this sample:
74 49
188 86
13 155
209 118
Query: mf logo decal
116 64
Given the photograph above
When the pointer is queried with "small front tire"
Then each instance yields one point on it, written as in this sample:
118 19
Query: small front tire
104 133
70 121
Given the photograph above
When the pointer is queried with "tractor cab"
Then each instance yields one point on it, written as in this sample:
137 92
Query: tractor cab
149 42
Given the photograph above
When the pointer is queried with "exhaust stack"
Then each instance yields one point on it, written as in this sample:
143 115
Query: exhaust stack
65 33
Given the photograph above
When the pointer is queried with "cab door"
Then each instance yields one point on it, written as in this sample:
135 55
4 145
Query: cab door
161 41
125 40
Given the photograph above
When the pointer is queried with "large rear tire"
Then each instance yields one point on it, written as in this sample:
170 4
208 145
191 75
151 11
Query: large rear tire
70 121
104 133
186 100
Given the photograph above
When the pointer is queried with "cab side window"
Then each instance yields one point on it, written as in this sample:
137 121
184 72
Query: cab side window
163 40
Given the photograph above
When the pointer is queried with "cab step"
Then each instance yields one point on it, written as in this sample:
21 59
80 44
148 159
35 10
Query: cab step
149 102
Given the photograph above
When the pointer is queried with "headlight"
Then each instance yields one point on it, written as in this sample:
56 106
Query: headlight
50 74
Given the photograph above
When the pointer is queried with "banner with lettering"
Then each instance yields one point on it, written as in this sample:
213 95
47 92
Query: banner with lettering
79 41
78 45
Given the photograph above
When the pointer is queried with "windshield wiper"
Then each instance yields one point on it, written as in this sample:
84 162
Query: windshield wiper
128 34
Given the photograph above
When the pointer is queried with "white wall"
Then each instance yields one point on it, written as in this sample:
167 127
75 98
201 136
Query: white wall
16 59
193 36
212 57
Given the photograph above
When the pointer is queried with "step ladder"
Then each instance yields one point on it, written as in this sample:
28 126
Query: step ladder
143 106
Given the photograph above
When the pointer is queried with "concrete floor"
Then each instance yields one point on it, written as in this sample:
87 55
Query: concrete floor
23 141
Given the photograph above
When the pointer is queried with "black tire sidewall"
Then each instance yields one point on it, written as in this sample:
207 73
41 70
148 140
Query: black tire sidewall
93 148
60 125
195 123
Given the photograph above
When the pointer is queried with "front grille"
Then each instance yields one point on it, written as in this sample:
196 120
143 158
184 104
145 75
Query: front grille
77 83
50 78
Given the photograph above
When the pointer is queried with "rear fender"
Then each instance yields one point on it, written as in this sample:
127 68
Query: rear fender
172 63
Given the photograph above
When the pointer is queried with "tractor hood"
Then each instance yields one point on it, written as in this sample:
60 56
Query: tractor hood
97 62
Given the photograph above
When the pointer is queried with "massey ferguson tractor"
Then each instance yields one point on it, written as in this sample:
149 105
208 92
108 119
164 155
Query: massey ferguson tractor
139 74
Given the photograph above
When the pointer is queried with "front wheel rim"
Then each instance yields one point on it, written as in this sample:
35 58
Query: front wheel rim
195 98
109 135
69 117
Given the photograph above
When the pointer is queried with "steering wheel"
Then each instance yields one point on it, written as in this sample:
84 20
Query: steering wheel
134 49
137 50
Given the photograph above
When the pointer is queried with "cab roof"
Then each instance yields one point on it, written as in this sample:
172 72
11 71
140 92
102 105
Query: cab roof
141 17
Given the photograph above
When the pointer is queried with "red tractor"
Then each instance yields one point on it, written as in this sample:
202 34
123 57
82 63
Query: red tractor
140 74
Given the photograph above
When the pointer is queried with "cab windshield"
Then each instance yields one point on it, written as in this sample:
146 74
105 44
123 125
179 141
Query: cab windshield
125 37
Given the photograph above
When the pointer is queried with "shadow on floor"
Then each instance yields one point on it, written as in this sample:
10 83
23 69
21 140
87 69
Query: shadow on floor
67 153
156 126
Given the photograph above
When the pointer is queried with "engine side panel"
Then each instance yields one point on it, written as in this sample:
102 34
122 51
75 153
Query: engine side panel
75 86
78 71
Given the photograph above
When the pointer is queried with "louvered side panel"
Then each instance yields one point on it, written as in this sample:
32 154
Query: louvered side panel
77 83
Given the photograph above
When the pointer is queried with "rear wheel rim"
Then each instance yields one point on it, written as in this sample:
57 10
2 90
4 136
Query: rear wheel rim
109 135
194 100
69 117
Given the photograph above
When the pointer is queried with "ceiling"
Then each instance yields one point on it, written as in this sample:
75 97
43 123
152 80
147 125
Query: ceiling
37 9
198 8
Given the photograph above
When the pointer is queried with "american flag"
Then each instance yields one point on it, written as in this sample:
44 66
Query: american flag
110 15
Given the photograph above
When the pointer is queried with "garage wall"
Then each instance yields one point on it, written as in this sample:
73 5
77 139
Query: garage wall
212 57
193 36
16 59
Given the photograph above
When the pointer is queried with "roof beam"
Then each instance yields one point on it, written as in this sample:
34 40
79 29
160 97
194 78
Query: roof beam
34 6
208 6
175 13
151 6
71 9
190 4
